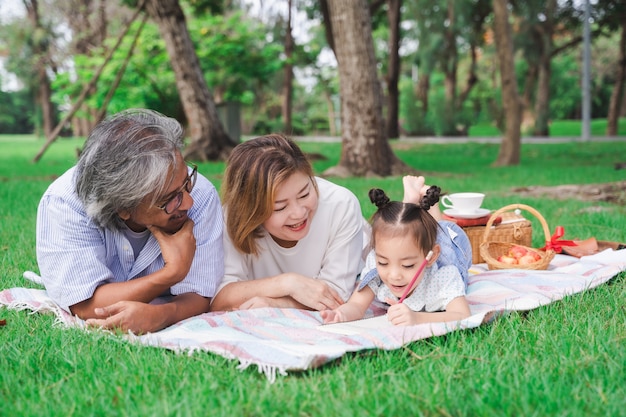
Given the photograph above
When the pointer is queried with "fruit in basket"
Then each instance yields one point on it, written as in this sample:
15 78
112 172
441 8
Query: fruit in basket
519 255
527 259
517 251
505 259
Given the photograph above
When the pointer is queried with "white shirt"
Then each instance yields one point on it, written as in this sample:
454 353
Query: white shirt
75 256
332 250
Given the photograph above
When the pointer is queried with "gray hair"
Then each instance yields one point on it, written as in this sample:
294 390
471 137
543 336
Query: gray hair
125 159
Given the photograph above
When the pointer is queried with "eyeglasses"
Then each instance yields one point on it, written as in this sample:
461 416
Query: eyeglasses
173 203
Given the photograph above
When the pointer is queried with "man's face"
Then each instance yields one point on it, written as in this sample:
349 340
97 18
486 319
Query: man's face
157 214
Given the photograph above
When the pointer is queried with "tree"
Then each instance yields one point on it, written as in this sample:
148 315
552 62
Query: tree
88 22
510 147
365 150
393 69
209 140
288 71
445 30
40 48
614 17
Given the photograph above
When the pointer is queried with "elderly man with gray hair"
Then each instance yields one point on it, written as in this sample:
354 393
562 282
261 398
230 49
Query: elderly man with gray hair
131 237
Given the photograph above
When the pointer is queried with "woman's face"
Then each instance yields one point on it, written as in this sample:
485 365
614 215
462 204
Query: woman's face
294 207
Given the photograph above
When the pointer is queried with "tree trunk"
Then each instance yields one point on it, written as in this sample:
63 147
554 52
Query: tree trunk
422 90
332 127
542 100
41 53
209 140
450 64
365 150
288 70
85 92
510 147
45 101
530 81
393 70
472 79
90 35
618 89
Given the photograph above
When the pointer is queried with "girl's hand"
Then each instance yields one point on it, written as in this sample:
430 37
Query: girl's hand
400 315
332 316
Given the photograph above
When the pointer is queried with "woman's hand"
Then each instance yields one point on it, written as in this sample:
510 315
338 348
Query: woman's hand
260 302
312 293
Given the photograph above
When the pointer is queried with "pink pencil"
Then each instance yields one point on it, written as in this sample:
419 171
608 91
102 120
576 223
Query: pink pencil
417 274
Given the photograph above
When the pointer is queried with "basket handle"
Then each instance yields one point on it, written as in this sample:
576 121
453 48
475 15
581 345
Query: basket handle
494 216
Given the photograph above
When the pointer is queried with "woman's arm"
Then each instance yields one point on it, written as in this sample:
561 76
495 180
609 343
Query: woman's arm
285 290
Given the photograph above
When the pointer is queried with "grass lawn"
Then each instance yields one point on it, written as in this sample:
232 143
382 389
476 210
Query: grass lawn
566 128
564 359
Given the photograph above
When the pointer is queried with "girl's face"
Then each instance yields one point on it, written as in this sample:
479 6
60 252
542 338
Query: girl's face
294 207
397 260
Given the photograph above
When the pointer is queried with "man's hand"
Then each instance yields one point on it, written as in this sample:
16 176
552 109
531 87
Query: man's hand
131 316
178 250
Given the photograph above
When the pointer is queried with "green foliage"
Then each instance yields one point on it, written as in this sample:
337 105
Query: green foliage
412 118
566 358
234 54
241 58
16 112
565 91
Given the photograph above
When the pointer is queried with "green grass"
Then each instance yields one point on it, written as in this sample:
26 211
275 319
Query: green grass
567 358
564 128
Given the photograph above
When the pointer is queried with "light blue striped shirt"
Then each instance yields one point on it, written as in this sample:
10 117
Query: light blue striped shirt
75 256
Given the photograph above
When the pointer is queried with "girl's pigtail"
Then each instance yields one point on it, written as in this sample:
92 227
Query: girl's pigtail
430 198
379 198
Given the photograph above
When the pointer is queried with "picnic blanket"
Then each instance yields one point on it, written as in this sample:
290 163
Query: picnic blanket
280 340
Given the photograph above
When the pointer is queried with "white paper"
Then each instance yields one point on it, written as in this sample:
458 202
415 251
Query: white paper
357 326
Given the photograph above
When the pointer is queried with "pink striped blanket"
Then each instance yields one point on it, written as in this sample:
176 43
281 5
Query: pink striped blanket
281 340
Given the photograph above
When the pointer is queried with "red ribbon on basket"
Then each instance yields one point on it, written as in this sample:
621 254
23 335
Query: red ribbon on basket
557 245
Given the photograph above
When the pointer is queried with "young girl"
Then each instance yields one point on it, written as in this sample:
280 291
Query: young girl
402 236
293 240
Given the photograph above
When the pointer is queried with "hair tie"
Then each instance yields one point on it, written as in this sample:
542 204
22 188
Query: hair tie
379 198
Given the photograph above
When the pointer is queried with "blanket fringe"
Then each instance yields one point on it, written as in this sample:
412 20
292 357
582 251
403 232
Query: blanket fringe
58 312
270 371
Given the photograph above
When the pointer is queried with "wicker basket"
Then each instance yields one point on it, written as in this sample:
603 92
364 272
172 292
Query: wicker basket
514 228
490 250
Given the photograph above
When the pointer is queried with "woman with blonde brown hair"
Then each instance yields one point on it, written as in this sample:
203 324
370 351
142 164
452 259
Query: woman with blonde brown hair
293 239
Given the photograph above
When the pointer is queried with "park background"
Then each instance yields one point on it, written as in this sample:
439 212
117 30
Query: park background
231 69
566 358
